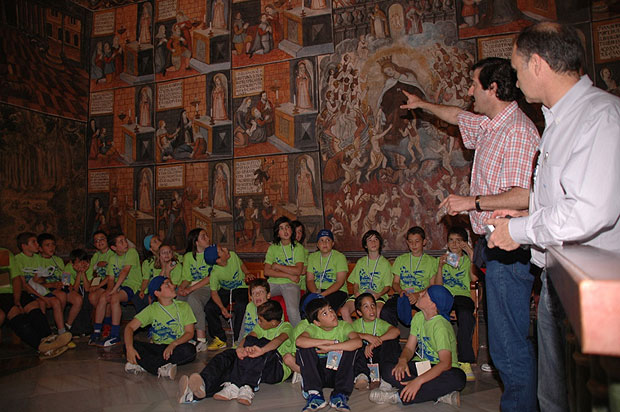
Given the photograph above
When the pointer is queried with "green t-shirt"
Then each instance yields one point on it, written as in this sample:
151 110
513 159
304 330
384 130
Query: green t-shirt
229 277
117 263
284 255
287 346
415 272
433 335
302 278
300 328
457 279
378 327
176 274
325 269
169 326
195 269
8 288
250 319
148 268
339 333
28 267
71 270
372 275
99 264
55 267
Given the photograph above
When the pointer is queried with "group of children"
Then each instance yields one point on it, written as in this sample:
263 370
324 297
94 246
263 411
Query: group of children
183 297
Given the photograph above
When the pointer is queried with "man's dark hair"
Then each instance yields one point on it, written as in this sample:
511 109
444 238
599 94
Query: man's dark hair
23 238
260 282
458 230
314 307
100 232
270 310
557 44
368 235
498 71
416 230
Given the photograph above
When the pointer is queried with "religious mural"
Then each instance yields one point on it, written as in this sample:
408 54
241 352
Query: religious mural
43 179
225 114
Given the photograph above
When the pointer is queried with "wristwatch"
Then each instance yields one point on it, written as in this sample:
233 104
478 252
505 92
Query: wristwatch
477 202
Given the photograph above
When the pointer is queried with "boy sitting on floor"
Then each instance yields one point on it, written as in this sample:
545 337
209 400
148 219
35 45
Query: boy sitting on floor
380 342
434 373
325 353
259 359
172 327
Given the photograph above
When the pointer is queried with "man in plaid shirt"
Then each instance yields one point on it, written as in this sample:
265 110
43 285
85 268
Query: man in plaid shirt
505 141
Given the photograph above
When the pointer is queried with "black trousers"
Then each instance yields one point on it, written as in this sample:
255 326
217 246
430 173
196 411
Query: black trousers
316 376
213 312
449 381
465 321
389 313
152 355
217 371
389 351
31 327
266 368
83 323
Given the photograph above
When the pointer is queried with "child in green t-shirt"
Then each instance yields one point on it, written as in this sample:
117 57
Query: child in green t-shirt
259 294
325 353
284 263
22 309
77 267
327 271
299 230
30 270
457 279
257 359
372 274
172 326
228 284
412 271
380 342
433 373
98 270
151 250
123 278
194 288
59 280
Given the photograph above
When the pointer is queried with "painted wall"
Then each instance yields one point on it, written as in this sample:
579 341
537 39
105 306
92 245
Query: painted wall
227 114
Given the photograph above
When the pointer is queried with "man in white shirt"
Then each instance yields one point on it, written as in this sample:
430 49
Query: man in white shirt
576 192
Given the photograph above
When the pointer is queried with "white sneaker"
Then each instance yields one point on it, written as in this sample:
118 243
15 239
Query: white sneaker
245 395
296 378
201 346
186 394
230 391
134 368
486 367
361 382
380 397
169 370
452 398
197 386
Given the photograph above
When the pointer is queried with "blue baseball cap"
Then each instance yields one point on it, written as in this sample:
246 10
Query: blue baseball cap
211 255
309 297
324 232
155 285
442 298
147 242
403 308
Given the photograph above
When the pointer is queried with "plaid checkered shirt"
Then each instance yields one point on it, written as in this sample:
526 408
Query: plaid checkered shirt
505 148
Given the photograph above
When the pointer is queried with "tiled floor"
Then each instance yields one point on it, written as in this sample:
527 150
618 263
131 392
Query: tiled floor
82 380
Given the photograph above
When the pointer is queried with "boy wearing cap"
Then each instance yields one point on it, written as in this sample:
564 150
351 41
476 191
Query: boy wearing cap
327 271
172 325
228 284
433 374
